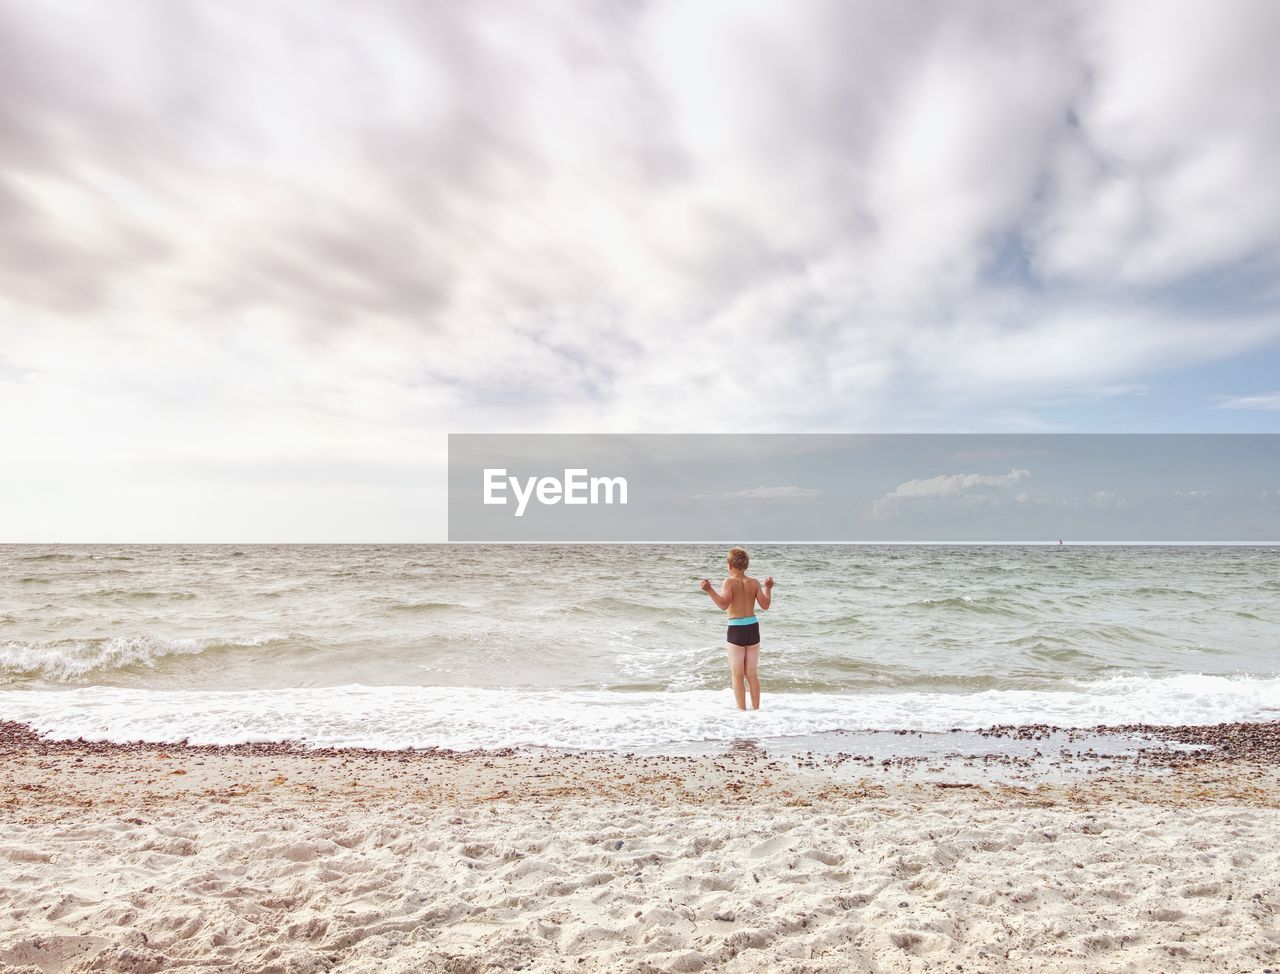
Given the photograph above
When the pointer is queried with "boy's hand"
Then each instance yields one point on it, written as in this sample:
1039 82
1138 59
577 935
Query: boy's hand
768 581
704 585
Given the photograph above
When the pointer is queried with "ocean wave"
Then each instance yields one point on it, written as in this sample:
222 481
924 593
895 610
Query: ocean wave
142 595
1178 593
70 660
422 606
983 604
1116 634
610 605
841 623
469 717
1056 652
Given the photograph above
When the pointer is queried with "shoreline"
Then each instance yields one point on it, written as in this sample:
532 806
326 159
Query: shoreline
1156 745
1181 763
257 858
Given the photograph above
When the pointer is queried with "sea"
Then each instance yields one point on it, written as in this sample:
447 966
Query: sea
614 647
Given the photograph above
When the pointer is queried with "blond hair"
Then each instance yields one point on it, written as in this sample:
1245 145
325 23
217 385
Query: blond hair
739 559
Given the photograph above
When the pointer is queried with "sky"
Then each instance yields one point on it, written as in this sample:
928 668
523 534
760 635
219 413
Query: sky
258 260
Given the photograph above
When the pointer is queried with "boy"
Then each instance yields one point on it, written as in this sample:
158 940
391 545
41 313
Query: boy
739 595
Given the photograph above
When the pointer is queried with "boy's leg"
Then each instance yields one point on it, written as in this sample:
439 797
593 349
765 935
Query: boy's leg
737 654
753 678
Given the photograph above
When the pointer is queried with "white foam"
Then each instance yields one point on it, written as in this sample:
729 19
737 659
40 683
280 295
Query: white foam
463 717
64 660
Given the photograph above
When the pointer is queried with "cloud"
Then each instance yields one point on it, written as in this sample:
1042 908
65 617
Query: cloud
1265 400
787 492
949 486
1108 499
334 230
771 493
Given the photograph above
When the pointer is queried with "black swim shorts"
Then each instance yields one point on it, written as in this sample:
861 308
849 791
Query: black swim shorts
744 635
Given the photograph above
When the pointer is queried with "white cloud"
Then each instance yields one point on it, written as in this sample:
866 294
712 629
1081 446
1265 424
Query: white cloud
1265 400
1108 499
771 493
944 485
949 486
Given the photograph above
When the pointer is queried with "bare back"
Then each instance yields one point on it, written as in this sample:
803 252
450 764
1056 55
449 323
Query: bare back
741 593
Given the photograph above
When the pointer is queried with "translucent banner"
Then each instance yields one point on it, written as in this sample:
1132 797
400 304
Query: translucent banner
1038 488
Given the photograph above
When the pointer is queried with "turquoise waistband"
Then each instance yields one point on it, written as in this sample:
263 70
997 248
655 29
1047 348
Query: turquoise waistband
744 621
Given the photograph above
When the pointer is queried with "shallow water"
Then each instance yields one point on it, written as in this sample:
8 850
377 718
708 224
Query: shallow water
614 646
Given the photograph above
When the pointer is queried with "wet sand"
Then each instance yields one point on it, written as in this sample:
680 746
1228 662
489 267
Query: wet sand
1029 848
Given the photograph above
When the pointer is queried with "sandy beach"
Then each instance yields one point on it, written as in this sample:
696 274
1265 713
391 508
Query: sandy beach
268 858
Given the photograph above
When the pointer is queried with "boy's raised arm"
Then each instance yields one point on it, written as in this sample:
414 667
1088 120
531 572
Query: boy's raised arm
720 599
764 594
